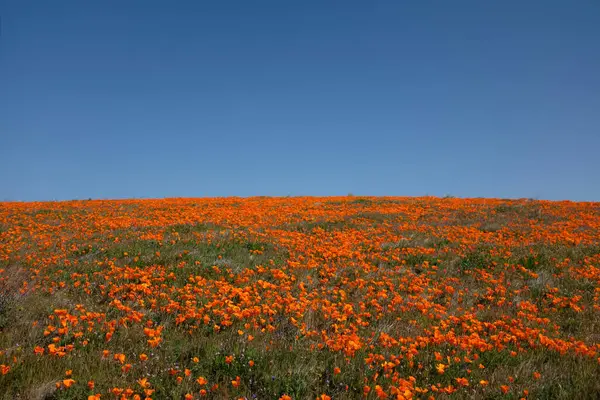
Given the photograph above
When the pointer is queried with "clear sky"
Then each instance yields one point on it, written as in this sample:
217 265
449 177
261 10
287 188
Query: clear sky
118 99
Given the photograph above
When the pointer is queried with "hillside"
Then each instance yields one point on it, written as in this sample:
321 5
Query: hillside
262 298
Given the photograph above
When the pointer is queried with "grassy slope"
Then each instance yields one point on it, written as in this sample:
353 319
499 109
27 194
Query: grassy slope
392 291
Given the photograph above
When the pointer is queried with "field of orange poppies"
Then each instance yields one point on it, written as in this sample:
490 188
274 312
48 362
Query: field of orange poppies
300 298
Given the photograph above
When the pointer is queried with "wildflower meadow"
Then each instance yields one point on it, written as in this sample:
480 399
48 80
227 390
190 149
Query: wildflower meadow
300 298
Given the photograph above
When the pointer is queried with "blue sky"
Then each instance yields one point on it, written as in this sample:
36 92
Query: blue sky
118 99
